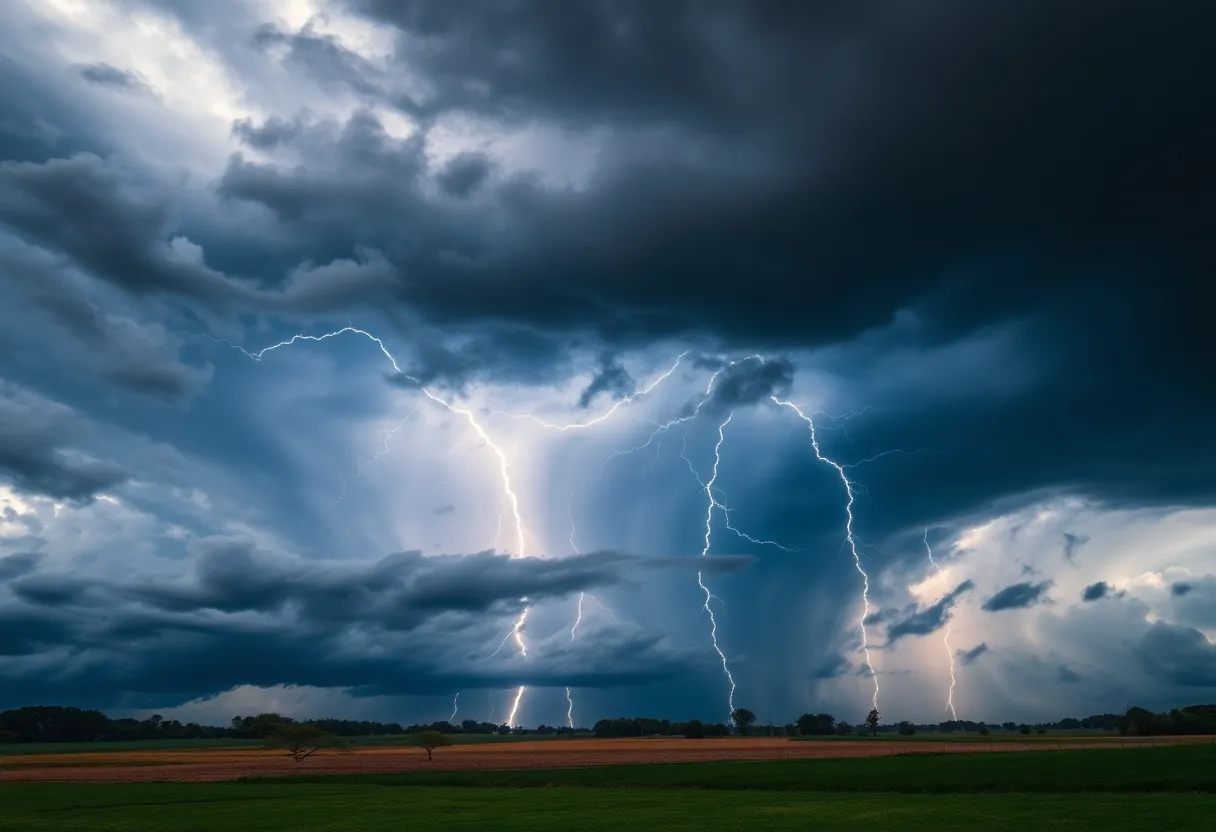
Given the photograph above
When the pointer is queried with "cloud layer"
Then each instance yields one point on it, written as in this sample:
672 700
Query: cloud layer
980 271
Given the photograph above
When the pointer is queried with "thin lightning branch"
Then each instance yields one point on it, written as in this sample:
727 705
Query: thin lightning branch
570 501
512 500
600 604
852 541
381 451
876 457
642 391
455 707
709 517
726 512
945 638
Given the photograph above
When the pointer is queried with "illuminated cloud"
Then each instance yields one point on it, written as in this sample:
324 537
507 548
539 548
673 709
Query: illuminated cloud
541 236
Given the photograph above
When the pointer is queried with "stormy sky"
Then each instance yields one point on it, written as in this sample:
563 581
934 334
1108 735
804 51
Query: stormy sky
579 255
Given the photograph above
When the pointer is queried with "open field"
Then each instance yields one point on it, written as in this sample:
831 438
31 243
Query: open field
167 807
1120 789
236 763
374 740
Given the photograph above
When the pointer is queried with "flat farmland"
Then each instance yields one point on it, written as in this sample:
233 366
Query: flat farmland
211 765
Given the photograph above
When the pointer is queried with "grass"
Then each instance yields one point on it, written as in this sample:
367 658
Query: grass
1169 788
298 806
1180 768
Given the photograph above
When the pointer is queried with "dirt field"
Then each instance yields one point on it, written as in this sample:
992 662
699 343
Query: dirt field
231 764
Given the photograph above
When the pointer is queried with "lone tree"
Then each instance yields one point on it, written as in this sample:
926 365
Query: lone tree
743 719
694 729
302 740
872 721
430 740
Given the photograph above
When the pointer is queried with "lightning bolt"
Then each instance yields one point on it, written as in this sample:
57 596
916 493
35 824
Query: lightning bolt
578 620
603 417
945 638
606 415
455 707
852 541
709 518
504 467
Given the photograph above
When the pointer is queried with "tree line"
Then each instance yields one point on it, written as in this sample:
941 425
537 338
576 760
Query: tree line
52 723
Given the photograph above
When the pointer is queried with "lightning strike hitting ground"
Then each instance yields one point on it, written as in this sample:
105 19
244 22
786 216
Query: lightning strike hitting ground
512 500
709 518
455 707
642 391
852 541
945 637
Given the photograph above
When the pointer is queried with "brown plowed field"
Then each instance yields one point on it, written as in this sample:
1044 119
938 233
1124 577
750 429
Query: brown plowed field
232 764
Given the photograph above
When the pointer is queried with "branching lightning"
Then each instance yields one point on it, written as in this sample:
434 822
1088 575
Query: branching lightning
504 467
849 536
945 637
381 451
714 496
709 518
603 417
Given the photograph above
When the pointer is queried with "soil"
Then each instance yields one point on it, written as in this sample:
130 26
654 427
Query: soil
231 764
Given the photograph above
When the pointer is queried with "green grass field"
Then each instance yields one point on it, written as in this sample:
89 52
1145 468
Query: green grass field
1181 768
1115 789
299 806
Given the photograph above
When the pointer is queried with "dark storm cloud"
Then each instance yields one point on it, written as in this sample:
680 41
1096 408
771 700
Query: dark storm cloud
105 75
245 617
323 58
1096 592
94 213
1072 543
708 215
1067 675
403 589
831 666
464 174
36 454
1194 602
18 564
930 619
270 134
611 378
698 238
969 656
24 631
745 382
667 242
1017 596
1180 655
